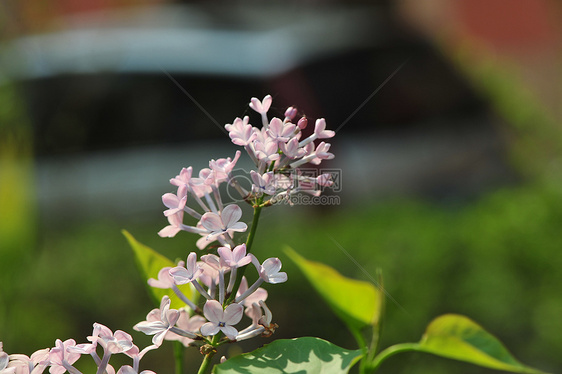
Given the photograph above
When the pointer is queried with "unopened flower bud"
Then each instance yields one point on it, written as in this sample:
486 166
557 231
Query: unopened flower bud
302 123
290 113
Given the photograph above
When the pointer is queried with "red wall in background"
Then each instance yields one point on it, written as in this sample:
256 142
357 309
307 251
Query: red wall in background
511 24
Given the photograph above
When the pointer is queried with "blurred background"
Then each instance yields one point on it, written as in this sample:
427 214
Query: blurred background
448 137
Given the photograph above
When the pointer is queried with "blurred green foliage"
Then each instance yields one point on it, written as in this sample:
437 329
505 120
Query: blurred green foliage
17 201
494 259
532 130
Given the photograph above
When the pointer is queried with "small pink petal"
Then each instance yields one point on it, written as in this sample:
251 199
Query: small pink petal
229 331
238 226
170 200
211 221
172 316
233 314
209 328
169 232
239 252
259 294
266 102
213 311
181 275
272 265
278 278
231 214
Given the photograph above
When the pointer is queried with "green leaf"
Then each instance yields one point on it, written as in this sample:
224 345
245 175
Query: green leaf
300 355
458 337
149 263
355 302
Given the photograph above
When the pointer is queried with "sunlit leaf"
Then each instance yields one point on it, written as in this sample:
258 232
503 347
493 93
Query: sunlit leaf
355 302
300 355
149 263
458 337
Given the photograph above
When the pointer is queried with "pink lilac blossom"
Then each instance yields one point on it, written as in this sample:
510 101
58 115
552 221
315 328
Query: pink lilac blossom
90 348
117 342
277 148
187 274
112 343
260 294
241 132
320 130
280 132
202 242
221 319
198 186
222 168
61 359
184 322
37 363
183 178
166 281
159 328
315 157
278 151
214 262
175 203
220 224
176 225
4 360
266 151
210 276
269 270
263 184
291 149
261 106
234 258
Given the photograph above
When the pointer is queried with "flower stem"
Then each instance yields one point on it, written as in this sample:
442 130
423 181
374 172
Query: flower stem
205 363
378 325
253 229
208 357
178 356
391 351
363 346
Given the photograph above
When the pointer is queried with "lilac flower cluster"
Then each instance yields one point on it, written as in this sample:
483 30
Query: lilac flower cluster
63 355
278 150
208 278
